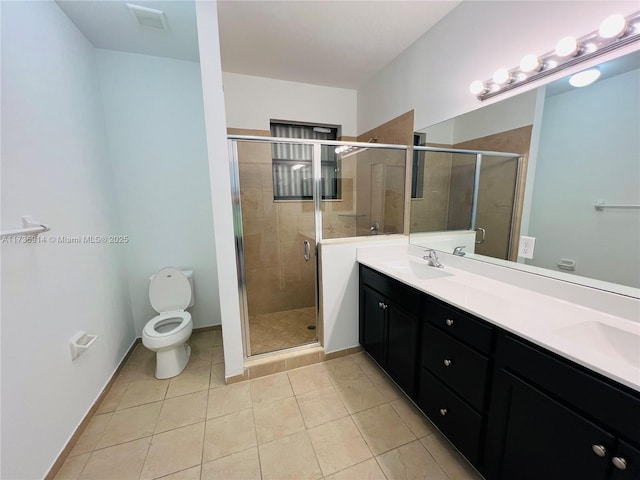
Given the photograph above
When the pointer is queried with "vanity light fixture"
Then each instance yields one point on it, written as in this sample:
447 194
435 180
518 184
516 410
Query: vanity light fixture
567 47
616 31
584 78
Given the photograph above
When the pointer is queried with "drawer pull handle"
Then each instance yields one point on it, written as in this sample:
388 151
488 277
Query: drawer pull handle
449 322
382 305
599 450
443 411
447 362
619 462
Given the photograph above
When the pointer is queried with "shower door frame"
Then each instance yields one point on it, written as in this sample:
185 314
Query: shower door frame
476 181
316 164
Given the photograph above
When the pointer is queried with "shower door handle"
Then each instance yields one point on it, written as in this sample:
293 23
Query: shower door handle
307 250
483 232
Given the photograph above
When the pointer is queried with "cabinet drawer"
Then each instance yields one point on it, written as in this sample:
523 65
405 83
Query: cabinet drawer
460 325
408 298
460 423
460 368
593 396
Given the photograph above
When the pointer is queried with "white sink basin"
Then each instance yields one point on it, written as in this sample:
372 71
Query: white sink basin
420 270
605 339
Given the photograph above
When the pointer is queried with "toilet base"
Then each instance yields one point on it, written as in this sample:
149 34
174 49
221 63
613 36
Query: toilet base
172 362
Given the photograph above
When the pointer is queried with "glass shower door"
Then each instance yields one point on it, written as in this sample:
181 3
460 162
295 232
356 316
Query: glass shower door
275 242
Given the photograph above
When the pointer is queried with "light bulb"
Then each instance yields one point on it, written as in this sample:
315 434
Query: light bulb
477 87
567 47
584 78
530 63
502 76
613 26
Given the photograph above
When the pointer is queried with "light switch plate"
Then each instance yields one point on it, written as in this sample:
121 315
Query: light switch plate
526 246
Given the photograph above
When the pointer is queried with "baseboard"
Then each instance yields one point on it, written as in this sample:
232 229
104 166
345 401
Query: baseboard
55 468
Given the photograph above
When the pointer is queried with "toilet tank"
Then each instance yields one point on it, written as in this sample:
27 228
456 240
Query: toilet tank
189 275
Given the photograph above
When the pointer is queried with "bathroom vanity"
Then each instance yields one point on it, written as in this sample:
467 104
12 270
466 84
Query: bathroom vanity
524 385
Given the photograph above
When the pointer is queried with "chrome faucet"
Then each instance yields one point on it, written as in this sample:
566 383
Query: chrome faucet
458 251
432 258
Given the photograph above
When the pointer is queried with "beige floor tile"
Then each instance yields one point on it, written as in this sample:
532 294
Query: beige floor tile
189 381
243 465
277 419
382 428
385 386
268 389
131 373
217 376
141 357
112 399
143 391
201 354
306 379
182 411
289 458
173 451
192 473
364 361
413 417
338 445
217 355
92 434
410 462
202 339
229 399
217 338
229 434
122 461
359 394
321 406
131 424
368 470
72 467
453 464
343 369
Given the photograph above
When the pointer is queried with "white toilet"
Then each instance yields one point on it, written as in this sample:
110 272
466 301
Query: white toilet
170 293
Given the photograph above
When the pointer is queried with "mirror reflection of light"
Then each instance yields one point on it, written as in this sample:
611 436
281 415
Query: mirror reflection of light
584 78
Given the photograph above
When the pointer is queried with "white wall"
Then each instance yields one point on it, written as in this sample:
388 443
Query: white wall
339 287
154 116
433 75
251 102
54 167
575 168
216 132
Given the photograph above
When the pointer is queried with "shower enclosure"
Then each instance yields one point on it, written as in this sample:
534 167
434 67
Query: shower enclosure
288 195
471 190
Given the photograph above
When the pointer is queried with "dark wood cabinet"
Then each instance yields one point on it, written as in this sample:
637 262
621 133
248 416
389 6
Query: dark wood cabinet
389 326
553 419
515 410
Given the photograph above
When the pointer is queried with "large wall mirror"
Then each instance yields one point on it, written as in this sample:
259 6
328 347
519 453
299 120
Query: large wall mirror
559 164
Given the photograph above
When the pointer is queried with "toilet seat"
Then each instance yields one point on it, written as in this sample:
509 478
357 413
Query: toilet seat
150 328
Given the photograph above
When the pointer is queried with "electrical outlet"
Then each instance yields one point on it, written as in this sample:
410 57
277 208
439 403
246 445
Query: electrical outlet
526 246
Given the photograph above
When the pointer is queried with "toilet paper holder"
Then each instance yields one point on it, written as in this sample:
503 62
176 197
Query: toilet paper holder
79 343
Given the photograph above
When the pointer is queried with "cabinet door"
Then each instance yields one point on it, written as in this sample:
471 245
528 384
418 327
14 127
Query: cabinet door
372 326
401 346
626 462
545 440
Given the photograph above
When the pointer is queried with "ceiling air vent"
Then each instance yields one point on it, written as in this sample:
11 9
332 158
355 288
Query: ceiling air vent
148 17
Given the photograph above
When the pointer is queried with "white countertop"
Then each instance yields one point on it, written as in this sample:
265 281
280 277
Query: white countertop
604 343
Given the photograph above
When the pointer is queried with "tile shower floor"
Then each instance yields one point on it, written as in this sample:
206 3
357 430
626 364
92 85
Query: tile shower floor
275 331
342 419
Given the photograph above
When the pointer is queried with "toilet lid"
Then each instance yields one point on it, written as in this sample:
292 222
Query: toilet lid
169 290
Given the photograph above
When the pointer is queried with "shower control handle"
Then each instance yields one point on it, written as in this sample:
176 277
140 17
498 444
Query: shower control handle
307 250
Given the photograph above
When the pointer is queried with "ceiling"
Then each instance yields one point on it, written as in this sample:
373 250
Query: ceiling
323 42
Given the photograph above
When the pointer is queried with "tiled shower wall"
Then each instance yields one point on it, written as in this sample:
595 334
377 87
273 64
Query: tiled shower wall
442 209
